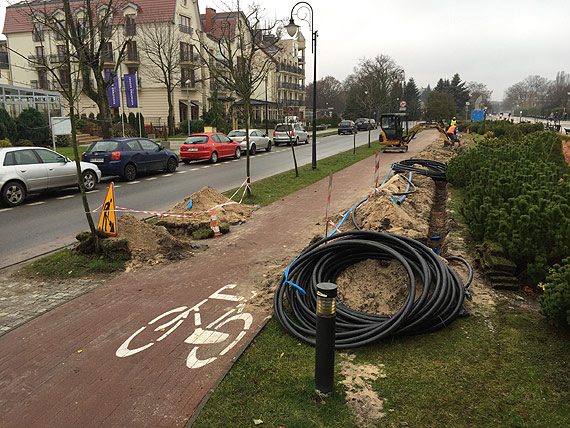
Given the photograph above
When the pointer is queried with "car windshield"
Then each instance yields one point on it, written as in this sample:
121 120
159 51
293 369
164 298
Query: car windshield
196 139
346 123
104 146
361 120
283 128
237 134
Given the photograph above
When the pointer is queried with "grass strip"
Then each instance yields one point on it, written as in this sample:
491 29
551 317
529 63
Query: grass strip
270 189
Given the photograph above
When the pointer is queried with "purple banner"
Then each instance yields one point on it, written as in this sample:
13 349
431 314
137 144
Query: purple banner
113 91
131 90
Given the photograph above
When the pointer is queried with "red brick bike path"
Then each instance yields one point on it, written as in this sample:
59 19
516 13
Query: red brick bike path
62 369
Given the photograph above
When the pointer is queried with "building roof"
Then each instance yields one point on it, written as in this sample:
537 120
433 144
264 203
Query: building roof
18 15
219 24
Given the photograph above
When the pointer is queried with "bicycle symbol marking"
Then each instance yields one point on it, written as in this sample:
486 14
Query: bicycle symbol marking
200 337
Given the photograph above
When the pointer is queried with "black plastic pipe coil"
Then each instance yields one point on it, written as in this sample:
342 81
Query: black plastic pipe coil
438 304
430 168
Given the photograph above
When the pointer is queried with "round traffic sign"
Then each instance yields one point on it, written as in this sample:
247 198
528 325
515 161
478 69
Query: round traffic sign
403 104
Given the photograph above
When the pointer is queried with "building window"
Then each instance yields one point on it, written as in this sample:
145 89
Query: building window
81 28
183 2
40 54
108 54
64 78
38 32
185 24
187 74
132 53
186 51
42 79
130 25
59 30
61 53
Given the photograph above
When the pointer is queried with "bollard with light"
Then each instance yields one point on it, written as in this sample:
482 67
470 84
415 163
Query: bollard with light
292 29
325 337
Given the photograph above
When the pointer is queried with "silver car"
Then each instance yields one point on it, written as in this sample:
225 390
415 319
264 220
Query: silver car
257 140
287 132
25 170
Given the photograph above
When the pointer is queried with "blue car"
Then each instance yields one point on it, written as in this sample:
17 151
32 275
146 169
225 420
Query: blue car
128 157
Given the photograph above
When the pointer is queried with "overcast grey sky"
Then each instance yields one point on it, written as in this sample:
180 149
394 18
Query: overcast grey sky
495 42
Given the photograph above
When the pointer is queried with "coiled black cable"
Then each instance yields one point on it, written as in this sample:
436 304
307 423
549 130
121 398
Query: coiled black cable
438 304
429 168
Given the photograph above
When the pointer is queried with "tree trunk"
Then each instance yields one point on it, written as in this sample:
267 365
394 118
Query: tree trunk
247 164
171 130
104 109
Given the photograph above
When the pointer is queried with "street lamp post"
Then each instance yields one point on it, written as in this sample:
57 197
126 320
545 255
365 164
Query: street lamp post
292 29
266 124
369 114
188 101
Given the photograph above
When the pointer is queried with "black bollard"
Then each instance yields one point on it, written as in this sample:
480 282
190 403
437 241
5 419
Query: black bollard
325 339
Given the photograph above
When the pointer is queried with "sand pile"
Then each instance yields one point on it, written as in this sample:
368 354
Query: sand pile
199 214
150 244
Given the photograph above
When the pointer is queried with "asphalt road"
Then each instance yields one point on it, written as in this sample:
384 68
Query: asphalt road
50 221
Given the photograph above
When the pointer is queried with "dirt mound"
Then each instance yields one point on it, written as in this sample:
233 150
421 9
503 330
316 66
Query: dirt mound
199 215
150 244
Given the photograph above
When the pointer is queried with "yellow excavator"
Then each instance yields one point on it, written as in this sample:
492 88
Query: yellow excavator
395 135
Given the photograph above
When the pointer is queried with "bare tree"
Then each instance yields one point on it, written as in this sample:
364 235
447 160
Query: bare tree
239 53
91 38
166 48
66 72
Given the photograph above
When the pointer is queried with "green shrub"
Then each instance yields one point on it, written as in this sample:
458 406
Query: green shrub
516 190
203 234
7 126
129 130
195 126
31 125
5 143
24 143
63 140
555 302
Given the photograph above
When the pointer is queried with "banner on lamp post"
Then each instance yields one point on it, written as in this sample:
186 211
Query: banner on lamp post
131 90
113 90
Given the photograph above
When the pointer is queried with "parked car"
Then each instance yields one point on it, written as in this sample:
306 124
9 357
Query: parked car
128 157
373 124
257 140
25 170
287 132
209 145
362 124
347 127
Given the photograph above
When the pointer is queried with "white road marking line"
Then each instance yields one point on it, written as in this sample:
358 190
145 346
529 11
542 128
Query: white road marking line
36 203
194 169
181 172
207 166
151 178
167 175
116 186
66 197
6 209
97 190
133 182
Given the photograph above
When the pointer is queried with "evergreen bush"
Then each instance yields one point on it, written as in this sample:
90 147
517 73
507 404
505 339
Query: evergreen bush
31 125
555 302
7 126
5 143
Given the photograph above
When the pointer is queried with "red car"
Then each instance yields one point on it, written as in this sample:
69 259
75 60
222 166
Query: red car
209 145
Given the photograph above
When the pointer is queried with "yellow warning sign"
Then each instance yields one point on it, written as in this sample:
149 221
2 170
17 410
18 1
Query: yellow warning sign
107 219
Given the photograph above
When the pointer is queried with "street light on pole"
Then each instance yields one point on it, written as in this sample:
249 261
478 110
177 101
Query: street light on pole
188 109
292 30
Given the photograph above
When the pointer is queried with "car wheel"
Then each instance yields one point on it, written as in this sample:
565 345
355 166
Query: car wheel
13 193
339 132
237 154
130 172
214 157
252 149
268 148
296 141
89 180
171 165
186 161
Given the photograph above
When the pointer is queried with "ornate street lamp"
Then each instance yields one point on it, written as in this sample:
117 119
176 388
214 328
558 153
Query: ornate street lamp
292 29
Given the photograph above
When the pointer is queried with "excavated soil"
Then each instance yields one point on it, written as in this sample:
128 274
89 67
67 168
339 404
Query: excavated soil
198 216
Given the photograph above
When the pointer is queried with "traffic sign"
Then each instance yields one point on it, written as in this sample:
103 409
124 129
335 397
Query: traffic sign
108 219
403 104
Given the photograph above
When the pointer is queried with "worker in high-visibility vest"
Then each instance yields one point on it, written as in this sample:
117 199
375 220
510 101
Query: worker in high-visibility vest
453 121
452 132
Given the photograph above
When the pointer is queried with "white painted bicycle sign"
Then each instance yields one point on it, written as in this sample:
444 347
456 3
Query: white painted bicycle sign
201 338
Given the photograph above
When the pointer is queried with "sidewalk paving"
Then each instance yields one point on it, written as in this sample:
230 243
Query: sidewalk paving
145 348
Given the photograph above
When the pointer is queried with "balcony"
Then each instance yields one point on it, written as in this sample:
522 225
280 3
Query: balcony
292 86
185 29
132 56
291 102
40 84
37 60
290 68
